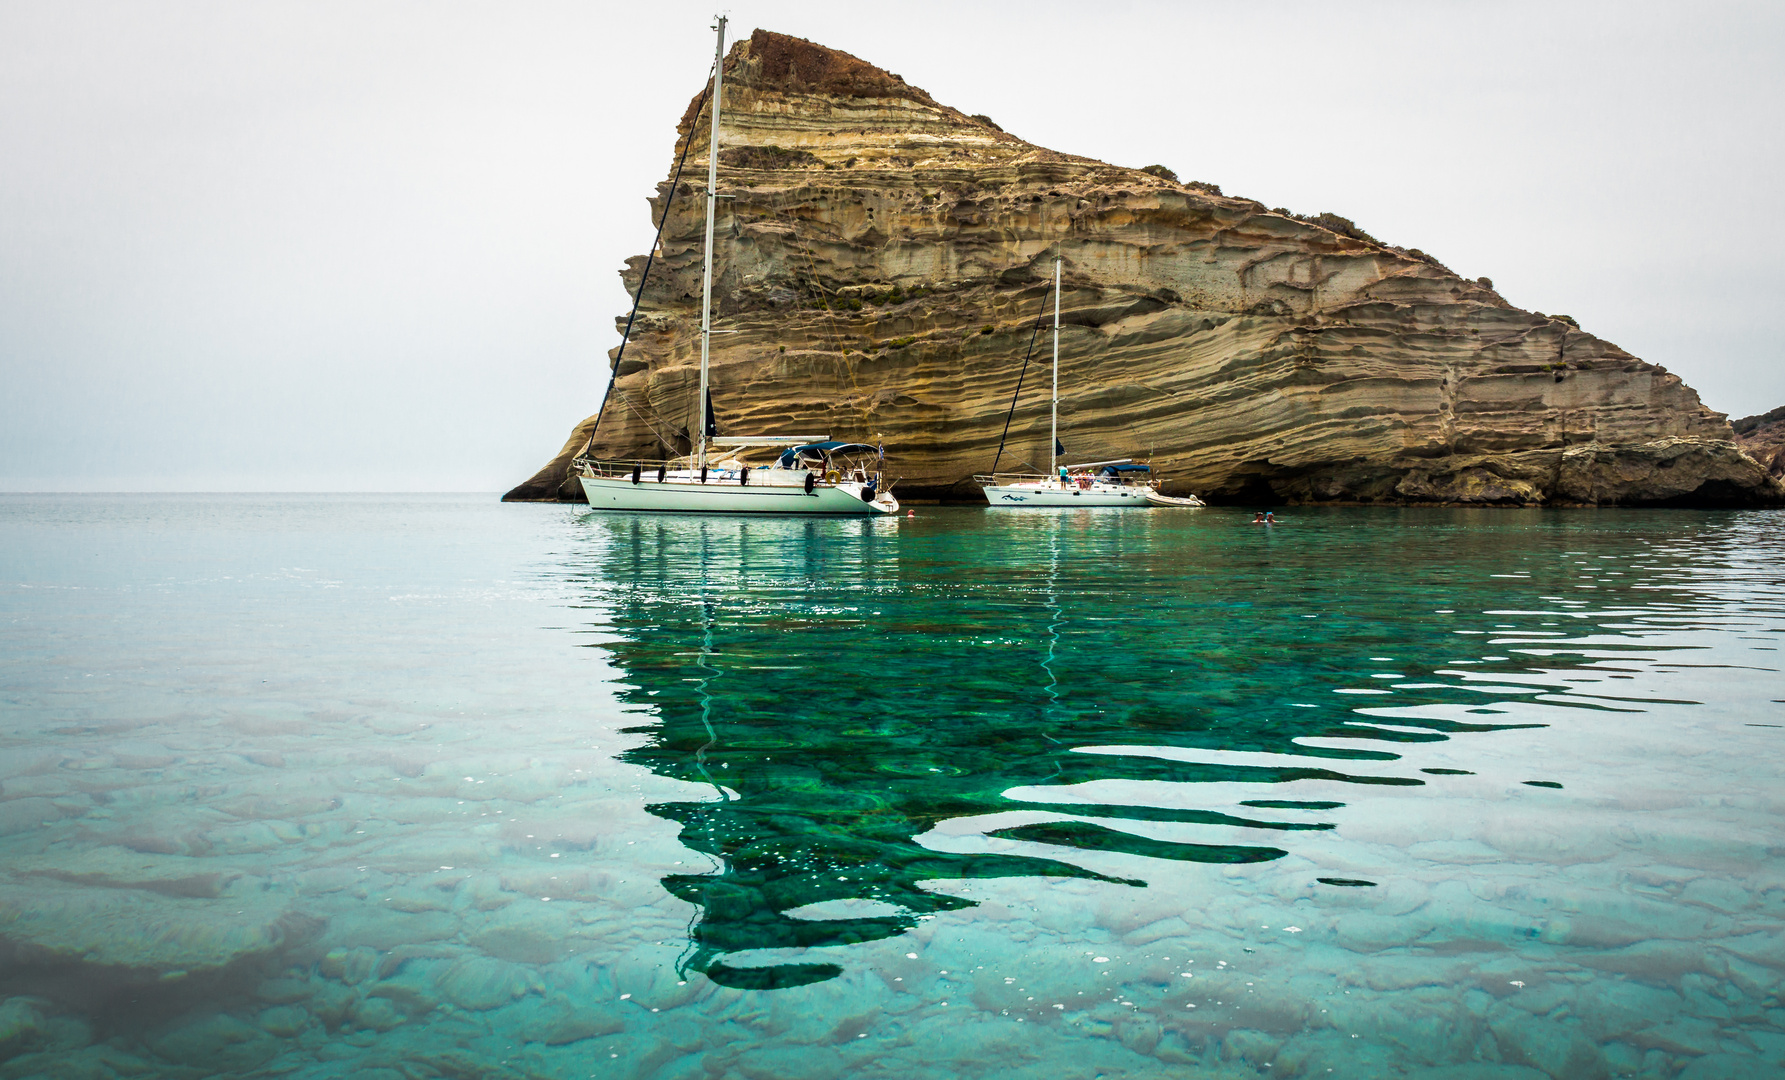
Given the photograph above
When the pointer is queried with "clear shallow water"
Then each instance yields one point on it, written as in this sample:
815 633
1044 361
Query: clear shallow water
326 786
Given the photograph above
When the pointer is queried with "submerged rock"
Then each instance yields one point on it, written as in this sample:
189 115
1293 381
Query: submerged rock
218 1042
532 934
351 966
480 983
881 260
560 1021
49 922
377 1014
284 991
21 1026
284 1020
331 1004
24 815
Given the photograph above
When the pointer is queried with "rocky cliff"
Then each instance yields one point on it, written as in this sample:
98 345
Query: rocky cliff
881 260
1763 438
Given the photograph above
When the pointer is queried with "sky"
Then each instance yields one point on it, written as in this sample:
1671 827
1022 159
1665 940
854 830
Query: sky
373 245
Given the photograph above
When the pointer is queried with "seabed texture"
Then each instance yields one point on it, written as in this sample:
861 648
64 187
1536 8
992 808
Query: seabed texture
428 786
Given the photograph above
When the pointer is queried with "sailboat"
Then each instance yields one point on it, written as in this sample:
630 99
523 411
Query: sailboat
803 475
1117 482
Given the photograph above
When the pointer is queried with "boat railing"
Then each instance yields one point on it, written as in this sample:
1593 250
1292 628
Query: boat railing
682 471
624 467
1000 479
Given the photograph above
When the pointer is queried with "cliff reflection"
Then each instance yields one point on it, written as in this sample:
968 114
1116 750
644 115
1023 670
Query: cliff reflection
844 686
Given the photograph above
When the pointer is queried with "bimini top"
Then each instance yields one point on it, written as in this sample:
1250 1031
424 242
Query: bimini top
791 455
1111 470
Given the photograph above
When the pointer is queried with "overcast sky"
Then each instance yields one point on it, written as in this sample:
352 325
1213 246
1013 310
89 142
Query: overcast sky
373 245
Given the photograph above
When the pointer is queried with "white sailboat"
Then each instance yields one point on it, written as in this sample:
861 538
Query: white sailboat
809 475
1119 482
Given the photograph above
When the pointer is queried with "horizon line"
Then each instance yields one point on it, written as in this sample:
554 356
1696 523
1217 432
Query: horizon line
208 491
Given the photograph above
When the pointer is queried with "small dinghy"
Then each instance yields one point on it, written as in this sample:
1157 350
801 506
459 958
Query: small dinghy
1157 499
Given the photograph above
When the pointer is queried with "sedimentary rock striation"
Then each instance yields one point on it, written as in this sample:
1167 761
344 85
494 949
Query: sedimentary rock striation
1763 438
881 261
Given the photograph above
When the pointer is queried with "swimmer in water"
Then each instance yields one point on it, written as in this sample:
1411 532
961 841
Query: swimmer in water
1258 518
1270 518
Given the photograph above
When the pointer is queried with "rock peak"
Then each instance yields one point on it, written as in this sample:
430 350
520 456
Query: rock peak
768 62
880 261
771 61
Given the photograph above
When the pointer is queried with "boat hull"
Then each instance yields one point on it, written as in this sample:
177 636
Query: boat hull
1170 500
730 497
1042 496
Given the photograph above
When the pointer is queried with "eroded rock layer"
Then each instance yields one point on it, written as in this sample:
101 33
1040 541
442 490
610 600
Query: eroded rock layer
882 259
1763 439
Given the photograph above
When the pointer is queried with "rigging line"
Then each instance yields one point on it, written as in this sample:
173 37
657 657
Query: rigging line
1039 319
830 311
646 420
830 320
650 257
835 334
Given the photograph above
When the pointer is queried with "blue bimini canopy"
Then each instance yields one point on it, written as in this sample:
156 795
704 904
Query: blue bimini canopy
791 455
1112 470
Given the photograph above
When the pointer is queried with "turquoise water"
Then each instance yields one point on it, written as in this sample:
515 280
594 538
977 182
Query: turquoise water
432 786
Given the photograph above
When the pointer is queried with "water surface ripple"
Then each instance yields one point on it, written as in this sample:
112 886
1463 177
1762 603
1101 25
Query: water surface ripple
324 786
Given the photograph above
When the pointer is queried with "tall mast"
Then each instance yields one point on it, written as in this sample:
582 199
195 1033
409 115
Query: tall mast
1054 434
706 282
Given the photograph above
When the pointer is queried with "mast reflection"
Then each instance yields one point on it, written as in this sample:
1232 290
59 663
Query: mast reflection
843 688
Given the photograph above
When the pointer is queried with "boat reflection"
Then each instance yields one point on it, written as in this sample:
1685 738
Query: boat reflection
844 686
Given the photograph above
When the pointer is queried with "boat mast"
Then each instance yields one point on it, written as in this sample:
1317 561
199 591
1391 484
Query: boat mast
1054 434
706 282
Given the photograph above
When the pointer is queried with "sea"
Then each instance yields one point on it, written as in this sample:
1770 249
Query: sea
412 786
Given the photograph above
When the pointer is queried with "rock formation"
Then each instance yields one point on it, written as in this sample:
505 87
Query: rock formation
1763 438
881 260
